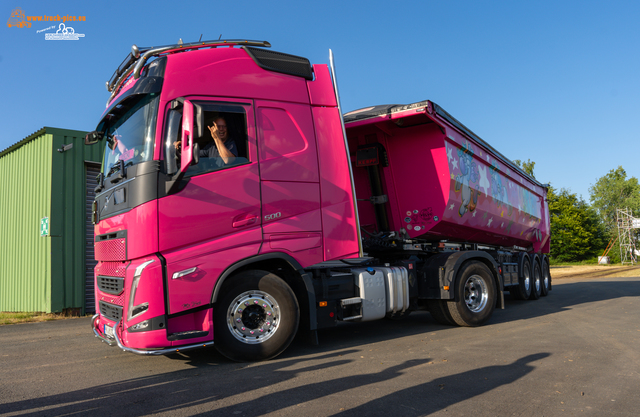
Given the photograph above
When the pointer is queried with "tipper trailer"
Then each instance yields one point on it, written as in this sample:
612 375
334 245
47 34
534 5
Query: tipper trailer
226 209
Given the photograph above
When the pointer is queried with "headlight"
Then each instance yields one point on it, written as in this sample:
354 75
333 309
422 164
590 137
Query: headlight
134 311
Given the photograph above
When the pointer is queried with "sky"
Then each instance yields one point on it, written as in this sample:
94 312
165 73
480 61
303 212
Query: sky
555 82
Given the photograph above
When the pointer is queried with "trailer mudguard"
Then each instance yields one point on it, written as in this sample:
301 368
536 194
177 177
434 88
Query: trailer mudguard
448 264
521 257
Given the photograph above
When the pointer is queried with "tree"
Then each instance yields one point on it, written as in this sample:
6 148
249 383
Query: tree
614 191
526 166
611 192
576 231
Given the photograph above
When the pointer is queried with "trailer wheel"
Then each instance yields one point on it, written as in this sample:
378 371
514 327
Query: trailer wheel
522 291
546 277
440 312
536 285
475 295
256 317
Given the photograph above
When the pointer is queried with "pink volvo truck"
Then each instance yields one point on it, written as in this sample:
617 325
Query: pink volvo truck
316 219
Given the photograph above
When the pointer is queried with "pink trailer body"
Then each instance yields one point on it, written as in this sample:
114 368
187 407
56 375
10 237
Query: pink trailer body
444 182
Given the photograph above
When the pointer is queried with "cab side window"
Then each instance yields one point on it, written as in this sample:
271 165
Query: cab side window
222 140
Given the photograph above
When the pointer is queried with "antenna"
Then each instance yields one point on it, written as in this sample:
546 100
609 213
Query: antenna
220 37
200 38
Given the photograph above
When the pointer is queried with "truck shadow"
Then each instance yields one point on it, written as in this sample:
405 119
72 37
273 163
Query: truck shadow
417 400
438 394
207 383
256 390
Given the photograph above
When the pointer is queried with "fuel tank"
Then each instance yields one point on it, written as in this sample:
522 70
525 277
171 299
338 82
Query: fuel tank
419 171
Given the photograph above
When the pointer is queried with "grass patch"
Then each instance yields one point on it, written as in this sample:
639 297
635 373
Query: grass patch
593 261
15 318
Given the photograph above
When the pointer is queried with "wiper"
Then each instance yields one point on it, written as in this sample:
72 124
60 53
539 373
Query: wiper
114 168
100 179
119 167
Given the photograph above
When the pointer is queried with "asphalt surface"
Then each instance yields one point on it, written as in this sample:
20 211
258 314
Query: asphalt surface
575 352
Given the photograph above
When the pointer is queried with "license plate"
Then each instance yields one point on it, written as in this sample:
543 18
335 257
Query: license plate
108 331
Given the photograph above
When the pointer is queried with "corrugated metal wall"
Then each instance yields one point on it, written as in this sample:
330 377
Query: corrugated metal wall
44 273
68 214
25 195
90 261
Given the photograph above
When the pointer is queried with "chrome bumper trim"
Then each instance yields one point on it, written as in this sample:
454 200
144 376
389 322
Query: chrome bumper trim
157 352
106 340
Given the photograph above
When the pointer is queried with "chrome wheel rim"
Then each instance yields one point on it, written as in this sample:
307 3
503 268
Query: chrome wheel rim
527 279
253 317
475 293
546 279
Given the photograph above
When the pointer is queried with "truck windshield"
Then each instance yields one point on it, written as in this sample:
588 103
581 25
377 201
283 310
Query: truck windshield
130 132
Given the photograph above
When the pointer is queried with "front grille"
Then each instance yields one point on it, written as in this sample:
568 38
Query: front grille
110 285
111 250
112 269
110 311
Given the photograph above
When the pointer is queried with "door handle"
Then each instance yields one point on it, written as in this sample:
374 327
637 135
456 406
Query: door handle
245 222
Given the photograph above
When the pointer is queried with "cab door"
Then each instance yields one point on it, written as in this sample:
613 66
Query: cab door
215 220
292 217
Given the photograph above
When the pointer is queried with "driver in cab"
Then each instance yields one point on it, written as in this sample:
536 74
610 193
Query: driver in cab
221 147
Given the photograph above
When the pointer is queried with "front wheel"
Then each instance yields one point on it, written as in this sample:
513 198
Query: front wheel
475 295
256 318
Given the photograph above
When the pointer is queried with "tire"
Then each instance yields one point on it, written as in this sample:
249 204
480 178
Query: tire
475 294
546 278
522 291
440 312
536 284
256 317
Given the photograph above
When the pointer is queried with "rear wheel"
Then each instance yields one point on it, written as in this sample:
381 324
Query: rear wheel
475 295
256 317
536 287
522 291
546 277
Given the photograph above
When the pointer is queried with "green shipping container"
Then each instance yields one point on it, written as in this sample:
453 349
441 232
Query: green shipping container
46 238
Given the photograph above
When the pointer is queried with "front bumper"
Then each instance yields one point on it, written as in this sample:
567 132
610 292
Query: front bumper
151 352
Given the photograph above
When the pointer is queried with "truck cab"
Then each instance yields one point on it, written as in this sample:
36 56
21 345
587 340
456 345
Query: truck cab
172 224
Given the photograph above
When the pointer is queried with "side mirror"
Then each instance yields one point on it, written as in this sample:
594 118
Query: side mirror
186 155
93 137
